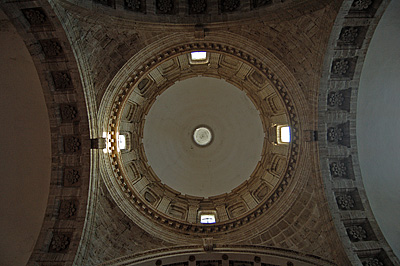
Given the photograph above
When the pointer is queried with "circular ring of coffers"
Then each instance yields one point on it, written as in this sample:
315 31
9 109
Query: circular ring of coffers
168 208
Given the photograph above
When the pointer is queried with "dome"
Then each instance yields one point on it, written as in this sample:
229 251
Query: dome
169 174
181 133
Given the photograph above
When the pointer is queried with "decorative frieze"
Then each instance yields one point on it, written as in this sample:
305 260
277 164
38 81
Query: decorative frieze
135 5
165 6
68 112
229 5
364 8
338 169
339 99
62 80
348 199
71 177
341 168
359 230
361 4
35 16
68 209
60 242
72 144
372 262
42 31
339 134
345 202
343 68
349 34
340 67
52 48
335 134
375 257
351 37
356 233
197 6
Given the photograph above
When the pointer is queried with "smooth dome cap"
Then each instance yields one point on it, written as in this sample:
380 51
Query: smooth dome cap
203 137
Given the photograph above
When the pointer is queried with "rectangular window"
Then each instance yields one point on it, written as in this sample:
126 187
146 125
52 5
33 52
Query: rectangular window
198 56
207 218
283 134
122 142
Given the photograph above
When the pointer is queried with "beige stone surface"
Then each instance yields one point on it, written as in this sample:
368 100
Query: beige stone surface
303 201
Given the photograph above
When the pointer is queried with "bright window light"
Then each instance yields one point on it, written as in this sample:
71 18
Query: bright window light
198 56
107 137
207 218
285 134
121 142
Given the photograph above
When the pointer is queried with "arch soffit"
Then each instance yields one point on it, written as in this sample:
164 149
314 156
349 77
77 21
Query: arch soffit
338 154
70 141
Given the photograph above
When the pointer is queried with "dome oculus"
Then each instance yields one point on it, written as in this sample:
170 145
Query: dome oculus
202 136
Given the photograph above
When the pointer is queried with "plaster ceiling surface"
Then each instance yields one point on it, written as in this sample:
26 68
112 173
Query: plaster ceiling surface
25 149
378 124
235 148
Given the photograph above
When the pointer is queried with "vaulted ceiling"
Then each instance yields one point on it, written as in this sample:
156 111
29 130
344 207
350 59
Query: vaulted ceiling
104 67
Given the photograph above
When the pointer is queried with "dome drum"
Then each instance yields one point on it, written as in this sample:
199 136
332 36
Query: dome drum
146 192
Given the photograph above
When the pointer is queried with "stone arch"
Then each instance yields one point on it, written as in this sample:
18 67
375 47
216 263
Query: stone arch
338 153
59 75
220 255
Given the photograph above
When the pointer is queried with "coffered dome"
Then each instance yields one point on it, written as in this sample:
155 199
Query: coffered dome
159 157
236 177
